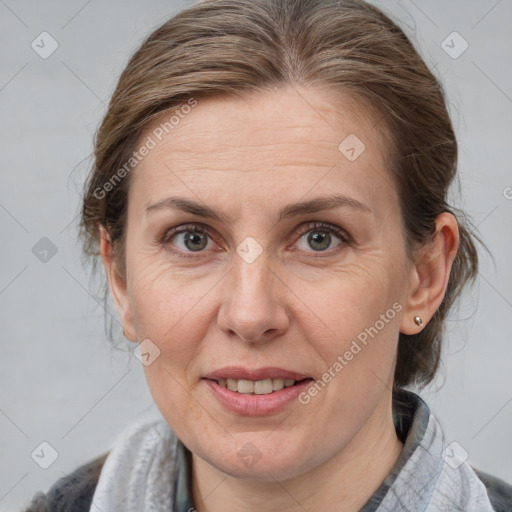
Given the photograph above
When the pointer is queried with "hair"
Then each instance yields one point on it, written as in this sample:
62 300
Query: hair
233 48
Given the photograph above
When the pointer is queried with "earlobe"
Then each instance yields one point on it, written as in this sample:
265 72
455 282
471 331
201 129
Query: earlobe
117 285
430 274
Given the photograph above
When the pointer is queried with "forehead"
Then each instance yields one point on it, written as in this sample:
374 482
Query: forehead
281 143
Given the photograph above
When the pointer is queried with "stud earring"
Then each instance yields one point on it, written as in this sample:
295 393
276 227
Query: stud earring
418 320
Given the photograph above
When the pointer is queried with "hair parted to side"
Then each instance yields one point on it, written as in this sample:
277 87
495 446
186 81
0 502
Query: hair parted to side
224 47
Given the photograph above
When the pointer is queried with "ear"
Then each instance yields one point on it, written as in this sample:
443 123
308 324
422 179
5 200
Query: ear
117 285
429 276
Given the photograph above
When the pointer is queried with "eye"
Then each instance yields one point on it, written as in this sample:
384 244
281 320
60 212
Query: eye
319 236
195 238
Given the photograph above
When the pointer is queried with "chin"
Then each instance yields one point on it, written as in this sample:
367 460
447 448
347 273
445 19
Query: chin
250 463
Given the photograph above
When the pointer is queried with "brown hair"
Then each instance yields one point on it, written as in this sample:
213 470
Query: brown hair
223 47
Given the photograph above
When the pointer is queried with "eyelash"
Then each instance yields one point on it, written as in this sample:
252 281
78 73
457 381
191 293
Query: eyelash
302 230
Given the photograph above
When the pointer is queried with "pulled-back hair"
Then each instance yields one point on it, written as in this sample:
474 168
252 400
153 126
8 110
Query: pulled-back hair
231 48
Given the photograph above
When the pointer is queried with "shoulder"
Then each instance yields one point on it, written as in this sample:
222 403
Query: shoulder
499 491
71 493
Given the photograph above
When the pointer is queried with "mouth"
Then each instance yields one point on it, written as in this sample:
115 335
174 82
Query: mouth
258 387
256 393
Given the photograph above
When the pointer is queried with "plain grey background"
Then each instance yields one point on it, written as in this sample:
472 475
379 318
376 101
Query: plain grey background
61 381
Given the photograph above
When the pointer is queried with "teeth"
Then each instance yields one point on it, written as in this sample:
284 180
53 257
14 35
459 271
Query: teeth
245 386
259 387
277 384
262 387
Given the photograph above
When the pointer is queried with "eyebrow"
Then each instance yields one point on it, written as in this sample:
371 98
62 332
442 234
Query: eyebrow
289 211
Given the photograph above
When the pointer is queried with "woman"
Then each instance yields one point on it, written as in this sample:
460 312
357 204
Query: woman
269 202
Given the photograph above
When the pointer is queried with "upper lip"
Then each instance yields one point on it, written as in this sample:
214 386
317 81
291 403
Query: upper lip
237 372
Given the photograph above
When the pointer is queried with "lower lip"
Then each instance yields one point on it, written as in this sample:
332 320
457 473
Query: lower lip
256 405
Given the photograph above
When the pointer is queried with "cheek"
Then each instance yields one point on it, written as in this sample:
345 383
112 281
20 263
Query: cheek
346 300
170 310
354 330
163 300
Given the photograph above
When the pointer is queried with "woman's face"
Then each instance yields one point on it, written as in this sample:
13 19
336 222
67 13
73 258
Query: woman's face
282 278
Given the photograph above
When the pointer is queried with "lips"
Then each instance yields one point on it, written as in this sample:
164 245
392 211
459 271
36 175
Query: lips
255 404
239 373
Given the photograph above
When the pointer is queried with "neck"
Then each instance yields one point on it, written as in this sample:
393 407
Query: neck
344 482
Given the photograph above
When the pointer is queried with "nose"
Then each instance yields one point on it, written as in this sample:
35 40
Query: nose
253 307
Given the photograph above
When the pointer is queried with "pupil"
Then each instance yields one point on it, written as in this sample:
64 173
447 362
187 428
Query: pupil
195 238
320 238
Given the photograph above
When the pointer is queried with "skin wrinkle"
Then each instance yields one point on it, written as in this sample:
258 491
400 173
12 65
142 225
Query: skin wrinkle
301 312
